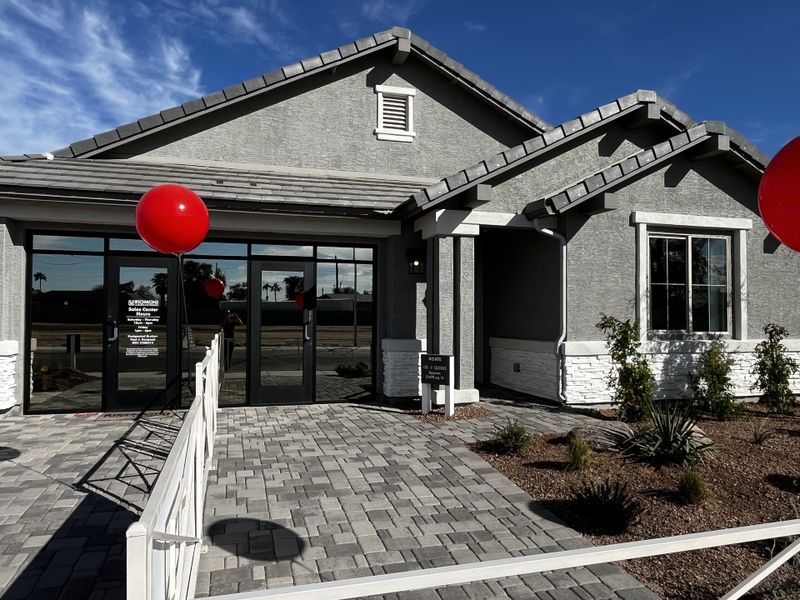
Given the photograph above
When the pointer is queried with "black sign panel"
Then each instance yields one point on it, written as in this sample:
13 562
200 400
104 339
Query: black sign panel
435 369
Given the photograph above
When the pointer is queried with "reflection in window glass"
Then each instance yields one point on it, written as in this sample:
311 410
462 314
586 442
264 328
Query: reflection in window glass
282 250
66 303
334 253
363 253
344 331
208 315
63 242
129 244
220 249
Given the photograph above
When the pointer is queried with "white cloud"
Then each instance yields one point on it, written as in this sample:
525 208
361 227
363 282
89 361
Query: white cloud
675 83
71 72
391 12
474 27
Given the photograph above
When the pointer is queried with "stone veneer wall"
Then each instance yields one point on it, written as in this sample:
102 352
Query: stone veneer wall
9 350
587 366
401 367
537 373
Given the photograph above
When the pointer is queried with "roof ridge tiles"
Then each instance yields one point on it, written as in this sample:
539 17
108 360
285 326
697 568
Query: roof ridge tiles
583 188
533 146
263 82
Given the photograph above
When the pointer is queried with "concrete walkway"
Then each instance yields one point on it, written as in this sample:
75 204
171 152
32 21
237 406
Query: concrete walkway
324 492
69 487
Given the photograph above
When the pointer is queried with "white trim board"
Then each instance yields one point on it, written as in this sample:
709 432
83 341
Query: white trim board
466 222
598 348
694 221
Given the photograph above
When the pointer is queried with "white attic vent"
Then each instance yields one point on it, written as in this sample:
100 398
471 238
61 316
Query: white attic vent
395 113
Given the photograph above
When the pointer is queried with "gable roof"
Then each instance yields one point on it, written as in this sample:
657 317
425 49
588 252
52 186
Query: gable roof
622 171
221 186
517 156
399 37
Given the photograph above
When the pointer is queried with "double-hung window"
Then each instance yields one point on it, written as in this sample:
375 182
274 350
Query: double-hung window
689 283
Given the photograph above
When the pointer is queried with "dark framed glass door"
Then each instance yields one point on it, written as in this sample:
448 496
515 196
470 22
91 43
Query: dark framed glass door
141 333
281 336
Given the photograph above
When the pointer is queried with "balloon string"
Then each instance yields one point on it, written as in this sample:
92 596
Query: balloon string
186 326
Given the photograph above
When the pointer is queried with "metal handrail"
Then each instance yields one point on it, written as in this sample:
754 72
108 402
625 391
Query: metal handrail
162 546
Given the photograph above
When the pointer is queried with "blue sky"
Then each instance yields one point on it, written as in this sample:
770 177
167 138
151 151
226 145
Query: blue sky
76 67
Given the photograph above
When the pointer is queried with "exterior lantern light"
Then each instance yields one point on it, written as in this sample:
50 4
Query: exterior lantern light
416 261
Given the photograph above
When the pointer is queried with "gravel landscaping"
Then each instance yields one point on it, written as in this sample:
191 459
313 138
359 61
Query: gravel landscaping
462 413
747 483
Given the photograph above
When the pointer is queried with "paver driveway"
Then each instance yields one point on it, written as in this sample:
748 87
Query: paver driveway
69 487
316 493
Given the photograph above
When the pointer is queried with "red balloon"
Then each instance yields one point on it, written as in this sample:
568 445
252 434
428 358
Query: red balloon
215 287
171 219
779 195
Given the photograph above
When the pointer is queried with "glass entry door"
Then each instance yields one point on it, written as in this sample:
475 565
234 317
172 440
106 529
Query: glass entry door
141 333
281 332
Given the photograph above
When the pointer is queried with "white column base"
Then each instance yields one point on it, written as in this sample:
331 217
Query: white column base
460 397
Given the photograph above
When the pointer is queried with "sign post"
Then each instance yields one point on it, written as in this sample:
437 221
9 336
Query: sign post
437 369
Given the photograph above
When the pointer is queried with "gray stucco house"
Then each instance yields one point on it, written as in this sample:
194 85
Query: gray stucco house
423 209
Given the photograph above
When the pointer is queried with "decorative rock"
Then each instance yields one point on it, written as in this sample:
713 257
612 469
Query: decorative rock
603 436
700 435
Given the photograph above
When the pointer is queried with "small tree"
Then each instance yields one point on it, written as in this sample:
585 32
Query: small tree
630 376
773 369
712 385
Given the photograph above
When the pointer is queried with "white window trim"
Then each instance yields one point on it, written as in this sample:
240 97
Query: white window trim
738 228
395 135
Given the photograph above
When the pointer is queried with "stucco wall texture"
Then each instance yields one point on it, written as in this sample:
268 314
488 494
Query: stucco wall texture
12 311
602 248
327 121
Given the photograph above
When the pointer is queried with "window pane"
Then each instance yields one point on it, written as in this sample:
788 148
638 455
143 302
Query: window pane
658 307
700 308
221 249
658 260
717 261
132 244
363 253
700 260
676 268
63 242
332 252
718 308
283 250
66 300
676 309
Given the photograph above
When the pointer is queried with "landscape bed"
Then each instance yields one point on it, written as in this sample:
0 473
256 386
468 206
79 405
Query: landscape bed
747 484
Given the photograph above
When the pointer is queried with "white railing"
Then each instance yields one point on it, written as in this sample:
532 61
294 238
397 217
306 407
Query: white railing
163 545
438 577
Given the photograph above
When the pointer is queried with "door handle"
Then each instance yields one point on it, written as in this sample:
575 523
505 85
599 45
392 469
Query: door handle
115 332
306 336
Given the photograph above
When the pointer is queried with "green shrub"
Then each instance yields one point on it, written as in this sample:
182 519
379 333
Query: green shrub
359 369
511 438
580 454
773 369
670 439
630 378
692 487
712 385
760 433
607 506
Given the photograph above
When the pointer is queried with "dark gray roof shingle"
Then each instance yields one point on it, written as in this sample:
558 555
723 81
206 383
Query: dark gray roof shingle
611 176
365 193
543 142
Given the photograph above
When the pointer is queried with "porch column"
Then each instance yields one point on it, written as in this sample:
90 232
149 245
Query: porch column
451 322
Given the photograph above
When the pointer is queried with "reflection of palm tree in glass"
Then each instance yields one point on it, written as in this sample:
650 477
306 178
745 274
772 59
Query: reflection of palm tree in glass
273 287
238 291
160 283
40 277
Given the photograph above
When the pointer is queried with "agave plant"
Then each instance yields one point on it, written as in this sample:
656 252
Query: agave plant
672 438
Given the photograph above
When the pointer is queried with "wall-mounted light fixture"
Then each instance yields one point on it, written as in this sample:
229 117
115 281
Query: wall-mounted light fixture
416 261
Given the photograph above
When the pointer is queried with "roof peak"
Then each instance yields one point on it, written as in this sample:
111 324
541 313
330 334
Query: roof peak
298 70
